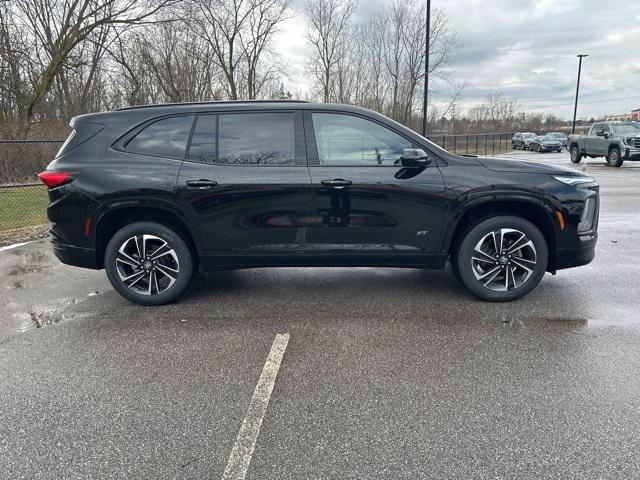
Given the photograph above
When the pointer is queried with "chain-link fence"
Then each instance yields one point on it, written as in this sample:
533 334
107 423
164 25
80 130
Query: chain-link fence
474 143
23 199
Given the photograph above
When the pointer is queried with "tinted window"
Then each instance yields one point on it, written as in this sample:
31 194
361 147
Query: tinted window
203 140
349 140
256 138
166 138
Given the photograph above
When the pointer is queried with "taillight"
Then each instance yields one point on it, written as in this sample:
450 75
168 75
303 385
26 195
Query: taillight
54 179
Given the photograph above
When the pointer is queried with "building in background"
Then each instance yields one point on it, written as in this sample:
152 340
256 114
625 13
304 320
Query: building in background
623 117
617 117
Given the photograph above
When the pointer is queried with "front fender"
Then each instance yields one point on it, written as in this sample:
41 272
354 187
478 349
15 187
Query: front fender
496 199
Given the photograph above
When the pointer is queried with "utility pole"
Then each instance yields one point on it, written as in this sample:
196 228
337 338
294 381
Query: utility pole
426 72
575 108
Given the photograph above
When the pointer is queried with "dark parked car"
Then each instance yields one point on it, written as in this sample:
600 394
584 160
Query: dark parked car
521 140
545 143
561 137
153 194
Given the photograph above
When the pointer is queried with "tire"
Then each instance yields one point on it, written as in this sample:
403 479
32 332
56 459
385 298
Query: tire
167 278
473 268
614 159
576 156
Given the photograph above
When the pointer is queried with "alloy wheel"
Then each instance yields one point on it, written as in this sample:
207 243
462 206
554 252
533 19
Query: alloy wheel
504 259
147 264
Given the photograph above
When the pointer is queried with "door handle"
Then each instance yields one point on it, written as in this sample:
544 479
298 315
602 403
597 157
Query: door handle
202 183
336 183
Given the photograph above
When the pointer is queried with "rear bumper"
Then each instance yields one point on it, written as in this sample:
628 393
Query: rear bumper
575 257
76 256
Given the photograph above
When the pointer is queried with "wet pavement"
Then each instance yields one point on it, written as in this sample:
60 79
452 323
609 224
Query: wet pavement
389 373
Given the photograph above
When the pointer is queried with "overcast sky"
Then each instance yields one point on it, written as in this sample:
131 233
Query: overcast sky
525 49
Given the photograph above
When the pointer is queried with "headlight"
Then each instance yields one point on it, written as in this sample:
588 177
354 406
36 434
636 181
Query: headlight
588 215
570 180
627 141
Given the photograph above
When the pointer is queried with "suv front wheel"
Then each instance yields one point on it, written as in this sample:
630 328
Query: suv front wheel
614 159
148 263
502 258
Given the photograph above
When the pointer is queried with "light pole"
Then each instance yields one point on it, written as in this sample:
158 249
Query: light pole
426 72
575 108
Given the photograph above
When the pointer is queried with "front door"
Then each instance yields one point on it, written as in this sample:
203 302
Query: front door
246 186
368 207
595 141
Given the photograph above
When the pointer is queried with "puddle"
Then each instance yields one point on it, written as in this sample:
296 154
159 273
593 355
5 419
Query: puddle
536 322
24 269
33 256
43 319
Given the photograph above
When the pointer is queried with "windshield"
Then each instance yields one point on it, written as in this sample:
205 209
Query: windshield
626 129
528 135
549 138
557 135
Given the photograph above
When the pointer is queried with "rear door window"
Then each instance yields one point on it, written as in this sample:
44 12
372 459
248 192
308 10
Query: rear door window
257 138
164 138
204 139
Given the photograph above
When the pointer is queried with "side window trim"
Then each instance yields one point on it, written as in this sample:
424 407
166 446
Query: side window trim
312 147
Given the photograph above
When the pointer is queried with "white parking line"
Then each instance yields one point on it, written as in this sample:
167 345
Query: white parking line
242 450
9 247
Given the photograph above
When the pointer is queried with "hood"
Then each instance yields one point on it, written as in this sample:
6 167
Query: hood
521 166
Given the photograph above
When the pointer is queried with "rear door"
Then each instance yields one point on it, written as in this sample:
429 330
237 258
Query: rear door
368 207
245 183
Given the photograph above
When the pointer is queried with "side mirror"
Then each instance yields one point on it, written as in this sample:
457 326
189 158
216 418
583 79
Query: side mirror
415 157
606 135
600 133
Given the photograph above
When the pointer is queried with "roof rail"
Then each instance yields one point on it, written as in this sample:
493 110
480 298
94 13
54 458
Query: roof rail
211 102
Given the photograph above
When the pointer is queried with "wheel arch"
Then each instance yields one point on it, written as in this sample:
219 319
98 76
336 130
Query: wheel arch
112 218
475 211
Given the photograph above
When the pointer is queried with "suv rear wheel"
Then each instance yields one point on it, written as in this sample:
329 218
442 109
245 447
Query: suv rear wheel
148 263
614 159
502 258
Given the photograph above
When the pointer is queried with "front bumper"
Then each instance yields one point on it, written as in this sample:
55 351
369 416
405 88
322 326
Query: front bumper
575 257
550 148
631 153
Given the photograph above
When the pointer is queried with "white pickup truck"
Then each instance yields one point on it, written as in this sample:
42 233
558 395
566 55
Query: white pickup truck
616 141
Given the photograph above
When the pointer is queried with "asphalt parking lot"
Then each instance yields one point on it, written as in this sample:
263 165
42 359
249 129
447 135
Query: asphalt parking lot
388 373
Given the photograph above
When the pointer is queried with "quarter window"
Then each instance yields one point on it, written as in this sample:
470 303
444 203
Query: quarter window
256 138
165 138
346 140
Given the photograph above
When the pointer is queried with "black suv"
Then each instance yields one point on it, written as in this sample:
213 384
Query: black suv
154 193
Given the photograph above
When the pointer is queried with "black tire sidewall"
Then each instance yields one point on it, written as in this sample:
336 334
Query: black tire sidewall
474 234
185 258
577 158
618 163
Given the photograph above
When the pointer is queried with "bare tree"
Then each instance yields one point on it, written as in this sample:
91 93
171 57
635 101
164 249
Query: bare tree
239 33
60 26
328 34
